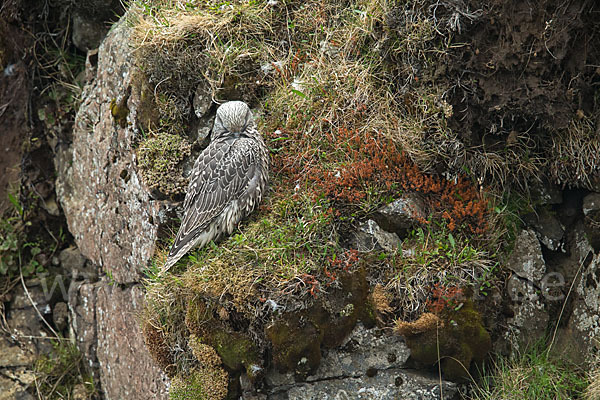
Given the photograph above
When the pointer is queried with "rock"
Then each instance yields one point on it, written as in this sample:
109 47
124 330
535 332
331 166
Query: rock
546 193
591 210
370 236
579 341
401 215
82 310
60 316
87 32
548 229
12 390
79 392
108 210
202 99
126 368
591 203
74 262
388 384
12 355
38 295
526 259
530 320
370 365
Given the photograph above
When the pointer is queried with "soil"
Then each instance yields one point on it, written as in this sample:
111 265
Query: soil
14 101
526 67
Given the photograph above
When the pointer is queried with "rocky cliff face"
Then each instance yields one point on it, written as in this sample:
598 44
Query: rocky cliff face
116 214
110 215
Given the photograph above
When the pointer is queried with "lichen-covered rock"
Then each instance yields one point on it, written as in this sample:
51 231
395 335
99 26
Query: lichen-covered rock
579 341
591 211
109 211
369 365
126 369
530 315
548 229
369 236
526 259
401 215
82 311
72 261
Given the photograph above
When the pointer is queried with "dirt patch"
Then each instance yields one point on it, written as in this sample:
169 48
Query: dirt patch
520 77
14 98
527 67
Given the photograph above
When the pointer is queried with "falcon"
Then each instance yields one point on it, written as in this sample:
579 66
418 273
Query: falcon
227 182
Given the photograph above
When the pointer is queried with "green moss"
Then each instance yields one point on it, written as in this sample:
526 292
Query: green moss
201 384
159 159
119 111
457 341
297 338
236 349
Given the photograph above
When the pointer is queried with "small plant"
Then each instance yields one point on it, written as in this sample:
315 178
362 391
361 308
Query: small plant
159 158
62 372
532 375
14 260
445 297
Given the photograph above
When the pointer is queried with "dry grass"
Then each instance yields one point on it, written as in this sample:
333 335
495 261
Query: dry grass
592 392
575 155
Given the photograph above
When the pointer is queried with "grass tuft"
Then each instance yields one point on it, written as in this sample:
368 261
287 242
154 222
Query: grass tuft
531 375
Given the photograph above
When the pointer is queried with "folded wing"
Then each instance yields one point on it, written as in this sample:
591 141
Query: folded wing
220 176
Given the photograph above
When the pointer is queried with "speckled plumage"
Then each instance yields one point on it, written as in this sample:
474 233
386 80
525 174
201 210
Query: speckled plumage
227 183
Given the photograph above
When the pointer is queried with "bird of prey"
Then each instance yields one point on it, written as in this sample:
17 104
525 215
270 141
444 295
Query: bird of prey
227 183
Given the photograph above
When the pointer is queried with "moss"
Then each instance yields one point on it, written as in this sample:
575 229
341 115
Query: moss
204 353
147 114
207 383
236 349
456 338
159 159
296 338
119 111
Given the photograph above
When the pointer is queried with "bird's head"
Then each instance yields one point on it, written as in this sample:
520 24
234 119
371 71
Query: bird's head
233 117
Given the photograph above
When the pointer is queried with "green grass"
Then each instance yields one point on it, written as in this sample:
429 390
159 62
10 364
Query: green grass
60 371
532 375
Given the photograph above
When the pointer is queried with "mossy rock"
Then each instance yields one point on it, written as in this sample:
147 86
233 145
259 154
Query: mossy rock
296 338
207 383
456 337
236 349
296 343
159 159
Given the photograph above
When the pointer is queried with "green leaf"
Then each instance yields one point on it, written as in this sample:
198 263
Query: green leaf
15 203
298 93
451 240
